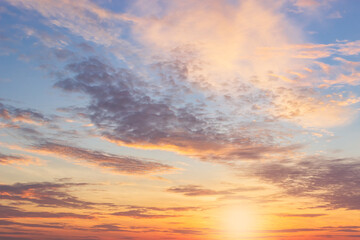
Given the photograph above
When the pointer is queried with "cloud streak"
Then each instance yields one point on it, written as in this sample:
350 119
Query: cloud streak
196 190
44 194
114 163
14 212
6 159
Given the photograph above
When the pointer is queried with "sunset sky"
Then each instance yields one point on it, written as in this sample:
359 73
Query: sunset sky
179 119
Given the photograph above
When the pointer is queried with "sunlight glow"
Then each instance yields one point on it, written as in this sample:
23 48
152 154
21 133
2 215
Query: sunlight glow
239 220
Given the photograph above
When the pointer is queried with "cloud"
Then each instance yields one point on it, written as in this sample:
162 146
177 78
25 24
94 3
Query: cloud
226 41
63 54
307 3
196 190
214 80
16 238
230 49
51 40
334 181
6 159
109 227
191 231
132 112
117 164
247 59
86 47
220 53
13 114
333 231
312 6
350 48
13 212
291 230
44 194
153 212
51 225
83 18
210 71
141 214
306 215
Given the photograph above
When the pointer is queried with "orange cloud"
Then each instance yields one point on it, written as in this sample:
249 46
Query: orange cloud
18 159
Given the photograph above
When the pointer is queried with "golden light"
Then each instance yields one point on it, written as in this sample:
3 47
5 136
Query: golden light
238 221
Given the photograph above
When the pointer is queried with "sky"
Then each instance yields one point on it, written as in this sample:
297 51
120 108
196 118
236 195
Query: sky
182 119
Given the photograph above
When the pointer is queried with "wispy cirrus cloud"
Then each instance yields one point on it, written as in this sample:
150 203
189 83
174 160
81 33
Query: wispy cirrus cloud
142 214
82 18
154 212
305 215
117 164
6 159
14 212
32 225
44 194
196 190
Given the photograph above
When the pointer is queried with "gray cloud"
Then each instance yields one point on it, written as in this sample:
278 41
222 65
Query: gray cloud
129 110
10 113
44 194
190 231
335 181
118 164
13 212
10 223
108 228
